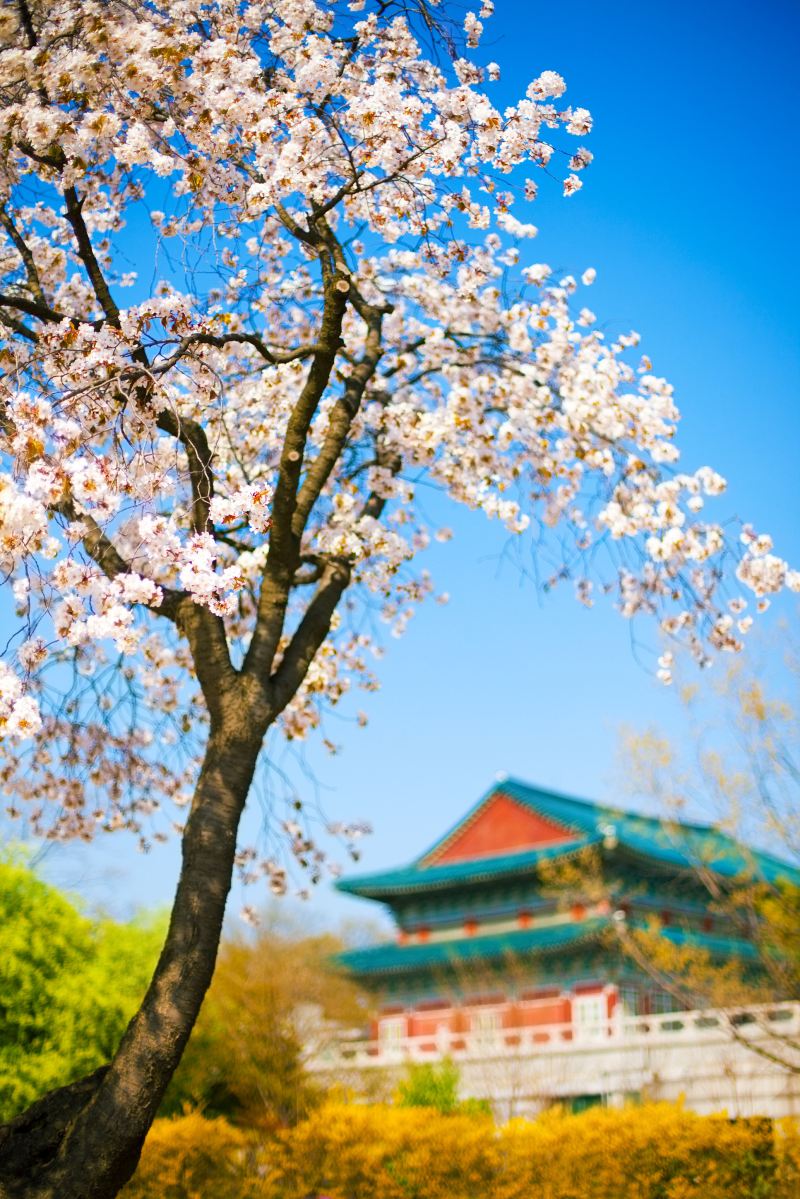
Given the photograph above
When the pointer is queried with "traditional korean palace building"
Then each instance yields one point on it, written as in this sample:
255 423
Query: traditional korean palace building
534 996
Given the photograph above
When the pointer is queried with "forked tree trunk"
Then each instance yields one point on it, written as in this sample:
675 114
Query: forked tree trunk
84 1141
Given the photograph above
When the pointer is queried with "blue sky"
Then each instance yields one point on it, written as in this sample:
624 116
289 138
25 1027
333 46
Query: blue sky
689 214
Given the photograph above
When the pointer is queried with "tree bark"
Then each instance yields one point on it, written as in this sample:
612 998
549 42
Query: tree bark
84 1141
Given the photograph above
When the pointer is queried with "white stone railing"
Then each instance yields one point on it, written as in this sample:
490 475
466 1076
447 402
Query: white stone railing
680 1028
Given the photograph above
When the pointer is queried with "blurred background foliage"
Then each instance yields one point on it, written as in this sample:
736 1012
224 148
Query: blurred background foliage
436 1085
68 984
275 998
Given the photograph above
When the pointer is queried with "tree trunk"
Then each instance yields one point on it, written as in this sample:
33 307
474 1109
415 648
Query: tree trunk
84 1141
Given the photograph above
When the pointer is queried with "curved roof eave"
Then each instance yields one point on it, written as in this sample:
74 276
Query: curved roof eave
412 878
391 958
680 844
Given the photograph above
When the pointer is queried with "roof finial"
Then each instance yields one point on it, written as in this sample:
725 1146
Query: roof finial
609 833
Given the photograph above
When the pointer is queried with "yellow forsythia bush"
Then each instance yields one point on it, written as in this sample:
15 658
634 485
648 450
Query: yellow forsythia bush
357 1151
190 1157
654 1152
659 1151
375 1152
787 1147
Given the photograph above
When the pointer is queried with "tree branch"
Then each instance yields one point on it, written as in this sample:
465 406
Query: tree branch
38 308
310 633
273 357
341 418
25 253
204 631
19 327
102 550
87 254
284 546
192 436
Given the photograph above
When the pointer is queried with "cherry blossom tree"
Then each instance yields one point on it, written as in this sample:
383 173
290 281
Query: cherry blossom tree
261 274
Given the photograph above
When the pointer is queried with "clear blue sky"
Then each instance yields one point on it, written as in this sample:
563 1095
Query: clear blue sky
689 213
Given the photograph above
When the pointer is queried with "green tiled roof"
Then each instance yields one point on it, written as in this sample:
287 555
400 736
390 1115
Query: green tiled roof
718 947
392 958
415 877
675 843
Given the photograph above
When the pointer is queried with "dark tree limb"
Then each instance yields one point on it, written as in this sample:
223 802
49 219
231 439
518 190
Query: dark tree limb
30 1142
101 1138
284 546
273 357
25 253
17 326
102 550
86 250
311 632
341 419
41 310
192 436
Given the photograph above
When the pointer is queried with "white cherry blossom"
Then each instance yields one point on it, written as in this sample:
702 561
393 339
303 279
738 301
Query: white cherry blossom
245 436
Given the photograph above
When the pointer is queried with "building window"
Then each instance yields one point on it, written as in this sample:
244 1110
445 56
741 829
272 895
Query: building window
589 1016
661 1002
485 1020
631 1000
392 1031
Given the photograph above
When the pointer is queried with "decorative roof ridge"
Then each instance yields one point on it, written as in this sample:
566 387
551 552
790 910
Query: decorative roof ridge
444 842
510 780
496 792
609 812
604 810
460 823
508 785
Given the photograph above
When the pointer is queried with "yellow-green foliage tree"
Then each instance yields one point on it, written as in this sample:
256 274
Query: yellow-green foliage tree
68 986
436 1085
745 775
272 999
